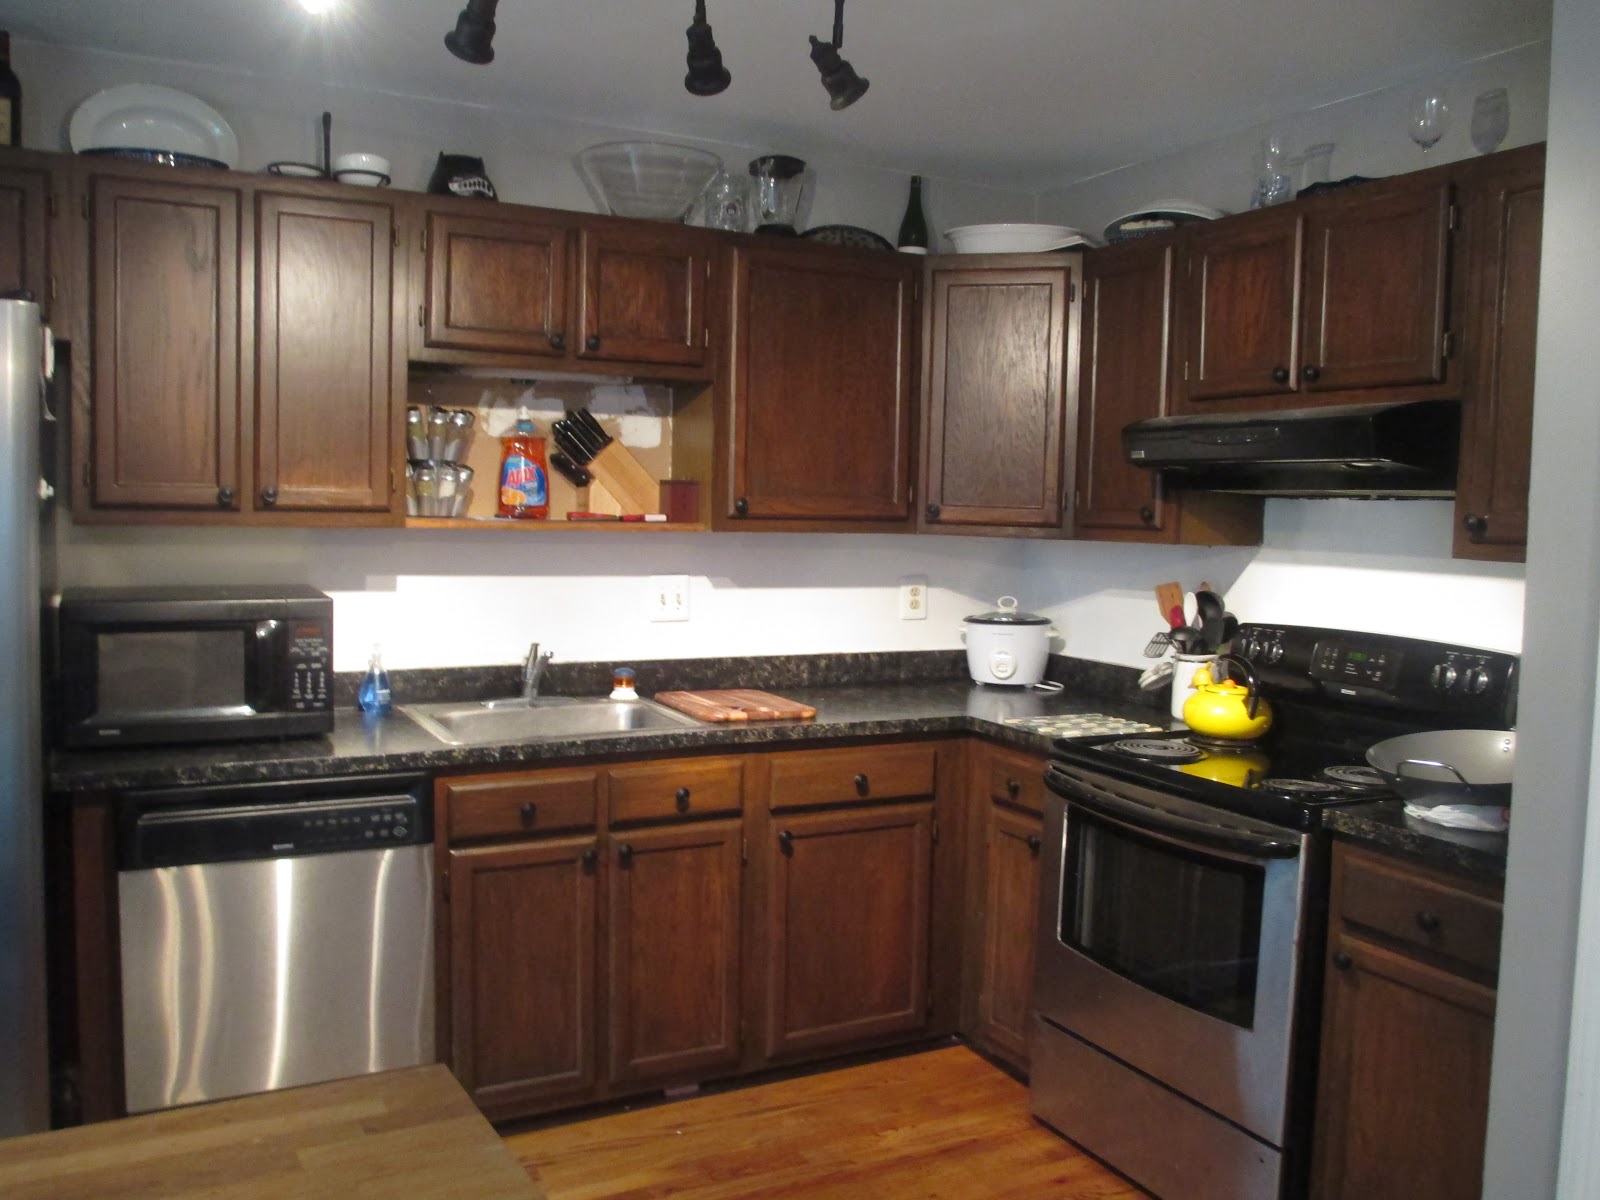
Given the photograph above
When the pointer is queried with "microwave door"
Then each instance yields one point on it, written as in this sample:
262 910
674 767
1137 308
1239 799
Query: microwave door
173 674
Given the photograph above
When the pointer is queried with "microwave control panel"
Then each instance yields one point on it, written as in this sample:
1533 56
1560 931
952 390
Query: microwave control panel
309 654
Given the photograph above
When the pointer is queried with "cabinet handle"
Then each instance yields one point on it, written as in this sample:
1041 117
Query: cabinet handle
1310 372
624 854
682 796
1476 523
1280 374
592 343
1013 788
1147 515
1343 961
785 841
590 857
527 812
933 512
1034 842
558 341
1428 922
863 786
225 497
741 507
269 496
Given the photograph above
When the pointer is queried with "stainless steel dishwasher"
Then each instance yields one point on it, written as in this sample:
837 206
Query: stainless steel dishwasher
273 935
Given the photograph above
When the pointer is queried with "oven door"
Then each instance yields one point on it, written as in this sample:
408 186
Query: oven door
1168 939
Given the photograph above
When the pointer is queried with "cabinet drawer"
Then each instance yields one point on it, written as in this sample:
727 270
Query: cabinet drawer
548 802
652 791
841 776
1424 911
1016 779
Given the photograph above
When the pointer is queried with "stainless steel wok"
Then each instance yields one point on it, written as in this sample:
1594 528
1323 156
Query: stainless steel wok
1450 766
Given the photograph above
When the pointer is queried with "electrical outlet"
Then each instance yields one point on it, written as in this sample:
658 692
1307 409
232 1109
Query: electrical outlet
913 597
669 597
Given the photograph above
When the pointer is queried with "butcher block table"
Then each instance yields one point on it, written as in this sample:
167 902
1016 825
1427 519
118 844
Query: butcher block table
410 1133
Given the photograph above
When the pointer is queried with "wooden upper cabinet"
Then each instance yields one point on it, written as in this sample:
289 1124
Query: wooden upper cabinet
1240 308
164 288
643 293
995 390
495 283
819 402
25 193
329 357
1503 211
1376 287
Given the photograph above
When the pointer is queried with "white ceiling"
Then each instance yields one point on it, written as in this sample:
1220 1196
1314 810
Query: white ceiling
1023 93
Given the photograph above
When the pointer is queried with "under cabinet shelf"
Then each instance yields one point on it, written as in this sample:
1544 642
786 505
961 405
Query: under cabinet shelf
552 523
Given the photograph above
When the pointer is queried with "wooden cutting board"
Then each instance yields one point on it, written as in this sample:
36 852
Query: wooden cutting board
734 704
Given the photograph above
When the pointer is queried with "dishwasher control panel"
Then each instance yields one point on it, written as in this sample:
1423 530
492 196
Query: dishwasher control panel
279 821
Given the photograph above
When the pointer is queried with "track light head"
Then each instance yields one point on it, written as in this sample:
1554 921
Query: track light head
707 76
844 86
471 40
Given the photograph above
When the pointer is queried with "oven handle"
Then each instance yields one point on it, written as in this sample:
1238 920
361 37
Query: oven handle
1205 834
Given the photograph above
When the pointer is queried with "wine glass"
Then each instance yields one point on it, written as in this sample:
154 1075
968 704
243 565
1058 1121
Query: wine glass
1491 120
1429 118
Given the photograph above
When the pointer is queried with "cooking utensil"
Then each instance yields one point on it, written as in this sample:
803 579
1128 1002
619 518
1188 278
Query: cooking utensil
1221 708
1191 610
1185 638
1209 610
1157 676
569 470
1169 598
1157 645
1449 766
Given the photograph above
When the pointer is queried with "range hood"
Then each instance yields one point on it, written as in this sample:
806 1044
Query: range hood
1405 448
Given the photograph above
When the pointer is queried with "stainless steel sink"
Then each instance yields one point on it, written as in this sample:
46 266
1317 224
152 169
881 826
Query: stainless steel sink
460 724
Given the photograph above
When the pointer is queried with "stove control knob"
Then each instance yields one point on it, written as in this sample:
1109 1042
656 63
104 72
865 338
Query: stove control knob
1443 676
1274 652
1478 680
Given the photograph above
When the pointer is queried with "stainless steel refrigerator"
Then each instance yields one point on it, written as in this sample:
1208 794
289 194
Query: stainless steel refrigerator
24 1083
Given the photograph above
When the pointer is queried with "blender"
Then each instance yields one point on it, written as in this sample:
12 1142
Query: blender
780 184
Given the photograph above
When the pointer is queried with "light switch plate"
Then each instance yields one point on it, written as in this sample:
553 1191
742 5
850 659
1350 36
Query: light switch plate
669 597
913 597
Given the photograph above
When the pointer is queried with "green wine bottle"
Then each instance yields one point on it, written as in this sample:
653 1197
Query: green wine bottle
913 237
10 96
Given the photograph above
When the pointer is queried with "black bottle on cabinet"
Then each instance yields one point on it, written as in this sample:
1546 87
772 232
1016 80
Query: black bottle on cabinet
913 237
10 96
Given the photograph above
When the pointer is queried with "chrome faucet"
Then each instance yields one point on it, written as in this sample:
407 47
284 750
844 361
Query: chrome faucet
533 671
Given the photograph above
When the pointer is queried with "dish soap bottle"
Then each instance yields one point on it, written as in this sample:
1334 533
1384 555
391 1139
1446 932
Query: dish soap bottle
524 475
373 695
913 237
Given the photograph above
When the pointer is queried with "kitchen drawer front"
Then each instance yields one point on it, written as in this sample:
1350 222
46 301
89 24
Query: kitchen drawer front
691 787
519 805
1016 779
1425 911
851 776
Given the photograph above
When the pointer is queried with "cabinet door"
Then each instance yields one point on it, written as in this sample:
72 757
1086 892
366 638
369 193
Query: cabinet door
996 397
1010 912
674 937
1375 288
847 926
1404 1096
820 386
331 373
495 284
522 966
1504 220
24 232
164 303
1240 308
1127 313
643 294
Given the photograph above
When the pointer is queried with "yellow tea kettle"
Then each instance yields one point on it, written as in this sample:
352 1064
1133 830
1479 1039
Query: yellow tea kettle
1225 709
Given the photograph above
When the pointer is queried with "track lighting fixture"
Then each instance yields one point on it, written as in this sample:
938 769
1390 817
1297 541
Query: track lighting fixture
707 76
471 40
844 86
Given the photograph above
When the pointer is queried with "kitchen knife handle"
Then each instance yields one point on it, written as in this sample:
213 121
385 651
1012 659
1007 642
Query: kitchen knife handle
592 343
1280 374
785 841
558 341
1310 373
741 507
225 497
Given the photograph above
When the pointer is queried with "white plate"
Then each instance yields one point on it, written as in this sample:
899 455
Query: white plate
1014 238
142 116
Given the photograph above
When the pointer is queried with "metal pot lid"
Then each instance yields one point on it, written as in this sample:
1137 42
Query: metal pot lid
1007 614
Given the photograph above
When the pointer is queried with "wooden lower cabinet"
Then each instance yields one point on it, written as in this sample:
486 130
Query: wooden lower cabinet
1407 1032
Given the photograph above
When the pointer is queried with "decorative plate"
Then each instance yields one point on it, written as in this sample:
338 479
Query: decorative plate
848 235
161 158
141 116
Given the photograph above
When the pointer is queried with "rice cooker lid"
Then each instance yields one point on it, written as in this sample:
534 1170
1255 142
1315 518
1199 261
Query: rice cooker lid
1007 614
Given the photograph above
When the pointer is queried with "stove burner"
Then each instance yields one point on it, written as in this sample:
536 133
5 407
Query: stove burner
1303 787
1222 744
1156 750
1357 778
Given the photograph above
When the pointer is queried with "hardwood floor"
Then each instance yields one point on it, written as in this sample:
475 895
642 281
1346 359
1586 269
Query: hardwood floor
943 1123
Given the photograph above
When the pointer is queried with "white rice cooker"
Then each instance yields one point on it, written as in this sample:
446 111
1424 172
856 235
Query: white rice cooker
1006 646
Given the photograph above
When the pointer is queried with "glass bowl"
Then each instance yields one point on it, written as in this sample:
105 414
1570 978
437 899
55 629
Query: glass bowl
657 180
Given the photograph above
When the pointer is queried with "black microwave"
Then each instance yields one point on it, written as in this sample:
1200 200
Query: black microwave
137 666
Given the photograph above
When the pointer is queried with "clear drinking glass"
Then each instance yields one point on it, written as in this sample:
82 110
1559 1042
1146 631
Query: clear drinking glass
1491 120
1273 185
1428 119
726 198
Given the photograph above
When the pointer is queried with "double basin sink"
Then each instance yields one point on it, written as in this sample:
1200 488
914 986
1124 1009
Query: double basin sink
473 722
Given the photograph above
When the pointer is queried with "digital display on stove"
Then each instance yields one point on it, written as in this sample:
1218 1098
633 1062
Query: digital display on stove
1356 666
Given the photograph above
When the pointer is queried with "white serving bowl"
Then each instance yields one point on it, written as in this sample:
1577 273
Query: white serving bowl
1014 238
657 180
364 170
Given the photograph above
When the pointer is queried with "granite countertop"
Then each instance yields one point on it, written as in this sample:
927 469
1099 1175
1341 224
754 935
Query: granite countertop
1384 825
